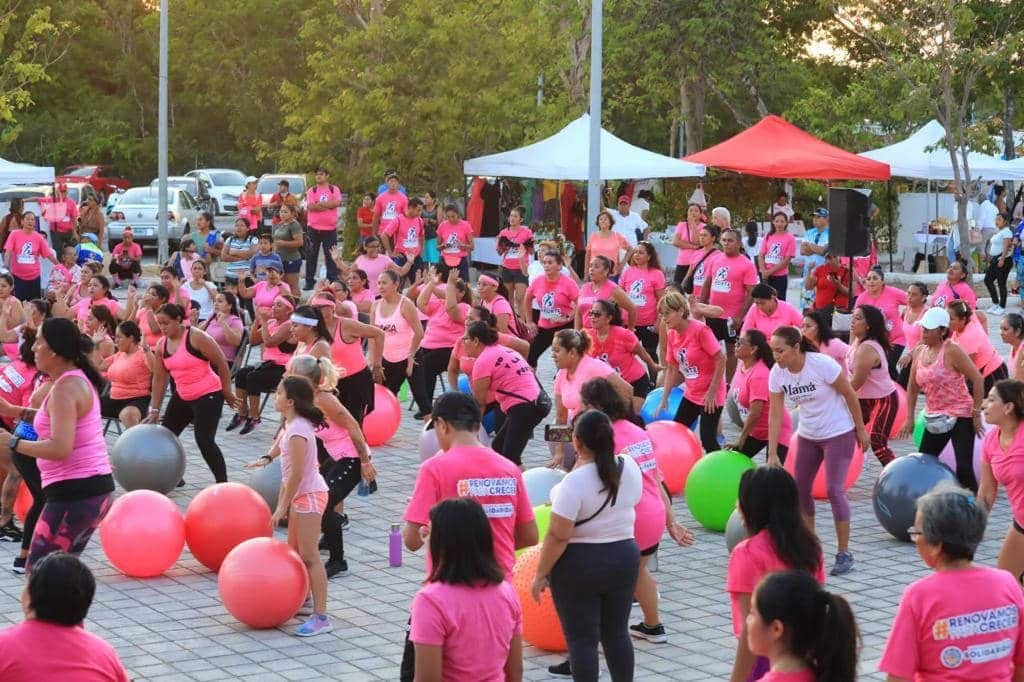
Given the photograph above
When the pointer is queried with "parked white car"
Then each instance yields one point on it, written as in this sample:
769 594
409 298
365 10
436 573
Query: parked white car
138 208
224 184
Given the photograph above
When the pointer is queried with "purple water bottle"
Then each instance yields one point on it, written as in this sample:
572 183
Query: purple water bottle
25 430
395 546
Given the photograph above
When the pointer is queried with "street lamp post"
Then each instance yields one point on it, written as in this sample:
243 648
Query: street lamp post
162 141
594 172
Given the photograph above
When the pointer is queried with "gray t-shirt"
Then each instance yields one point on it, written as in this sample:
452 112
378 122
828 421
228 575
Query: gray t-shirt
286 232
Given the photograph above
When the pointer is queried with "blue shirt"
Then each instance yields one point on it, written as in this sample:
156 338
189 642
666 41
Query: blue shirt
258 265
818 238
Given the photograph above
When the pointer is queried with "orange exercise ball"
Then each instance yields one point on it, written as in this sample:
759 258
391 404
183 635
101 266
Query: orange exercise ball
220 518
263 582
676 450
143 533
381 424
541 626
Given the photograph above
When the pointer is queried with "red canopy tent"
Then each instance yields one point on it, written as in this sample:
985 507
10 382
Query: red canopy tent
775 148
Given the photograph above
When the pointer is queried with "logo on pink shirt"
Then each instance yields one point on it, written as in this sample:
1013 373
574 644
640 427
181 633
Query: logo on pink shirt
721 281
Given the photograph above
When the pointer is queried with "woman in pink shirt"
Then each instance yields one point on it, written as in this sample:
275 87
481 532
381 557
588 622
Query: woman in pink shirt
250 205
446 312
789 611
917 303
556 294
608 243
869 375
750 390
225 325
600 287
353 366
961 622
130 371
359 292
693 357
768 313
777 540
816 327
620 348
466 621
455 241
515 246
273 331
461 363
956 288
777 250
70 451
487 287
644 283
372 262
707 238
685 239
1011 331
1002 463
303 494
966 331
887 299
396 316
99 294
22 252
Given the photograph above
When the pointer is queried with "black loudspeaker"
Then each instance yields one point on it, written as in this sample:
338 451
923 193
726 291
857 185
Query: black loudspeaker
849 232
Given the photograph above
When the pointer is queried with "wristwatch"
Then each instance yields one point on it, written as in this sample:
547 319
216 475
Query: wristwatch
13 443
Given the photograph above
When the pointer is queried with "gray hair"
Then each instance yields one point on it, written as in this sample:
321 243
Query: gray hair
724 212
320 371
951 517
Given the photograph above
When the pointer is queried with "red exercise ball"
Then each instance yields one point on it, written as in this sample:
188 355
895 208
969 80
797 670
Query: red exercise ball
541 626
676 450
143 533
818 488
381 424
23 502
263 582
220 518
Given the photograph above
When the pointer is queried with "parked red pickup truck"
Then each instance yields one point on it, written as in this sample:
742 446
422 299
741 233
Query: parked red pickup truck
102 178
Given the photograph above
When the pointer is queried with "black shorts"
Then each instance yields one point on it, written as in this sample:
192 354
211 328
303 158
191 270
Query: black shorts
263 378
292 267
642 386
514 276
650 550
720 328
110 408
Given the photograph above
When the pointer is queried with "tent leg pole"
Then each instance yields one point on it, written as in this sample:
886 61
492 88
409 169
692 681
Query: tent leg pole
892 246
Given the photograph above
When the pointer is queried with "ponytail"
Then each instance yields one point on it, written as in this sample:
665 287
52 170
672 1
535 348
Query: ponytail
594 430
328 375
319 371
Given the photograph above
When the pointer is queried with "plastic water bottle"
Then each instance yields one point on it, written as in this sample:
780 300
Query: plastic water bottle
363 490
25 430
395 546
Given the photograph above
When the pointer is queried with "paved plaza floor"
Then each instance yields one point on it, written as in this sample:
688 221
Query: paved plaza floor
175 628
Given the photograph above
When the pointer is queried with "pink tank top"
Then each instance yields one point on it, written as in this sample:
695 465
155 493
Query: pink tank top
193 377
347 357
944 389
336 441
129 375
88 454
397 332
275 354
878 384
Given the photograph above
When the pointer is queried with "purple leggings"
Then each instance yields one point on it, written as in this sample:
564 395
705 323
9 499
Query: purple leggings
837 453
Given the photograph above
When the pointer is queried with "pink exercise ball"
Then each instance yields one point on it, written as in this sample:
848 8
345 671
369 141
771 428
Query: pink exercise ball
948 456
263 582
220 518
143 533
819 489
380 425
676 450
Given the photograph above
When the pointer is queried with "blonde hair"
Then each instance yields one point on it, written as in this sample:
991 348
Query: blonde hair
320 371
673 301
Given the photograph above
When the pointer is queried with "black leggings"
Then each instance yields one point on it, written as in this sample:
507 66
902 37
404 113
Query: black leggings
515 429
688 411
542 341
648 337
204 414
780 283
990 379
592 585
28 469
679 274
995 279
356 393
962 435
751 446
894 357
394 375
430 364
341 477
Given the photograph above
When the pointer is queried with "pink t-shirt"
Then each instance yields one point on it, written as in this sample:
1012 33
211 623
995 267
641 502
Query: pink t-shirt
836 349
944 293
974 341
957 625
1007 467
609 246
688 256
693 352
263 294
326 221
499 305
26 249
311 481
389 205
568 388
517 252
72 654
749 385
588 296
642 286
405 234
119 255
441 330
911 330
81 309
507 371
751 560
702 268
372 267
634 441
16 385
452 240
557 300
474 627
776 248
730 278
490 479
889 301
784 315
466 363
617 351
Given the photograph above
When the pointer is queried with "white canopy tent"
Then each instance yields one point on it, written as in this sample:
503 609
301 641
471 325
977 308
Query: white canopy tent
24 174
566 155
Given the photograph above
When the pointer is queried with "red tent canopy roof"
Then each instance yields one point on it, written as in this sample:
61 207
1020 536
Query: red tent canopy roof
775 148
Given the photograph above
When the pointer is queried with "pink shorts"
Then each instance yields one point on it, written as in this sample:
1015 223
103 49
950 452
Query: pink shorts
309 503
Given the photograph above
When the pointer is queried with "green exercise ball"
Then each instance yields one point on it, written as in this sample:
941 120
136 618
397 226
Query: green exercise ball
713 485
919 428
542 514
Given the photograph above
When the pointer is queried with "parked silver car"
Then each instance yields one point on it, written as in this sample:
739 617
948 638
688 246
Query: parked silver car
224 184
195 186
138 208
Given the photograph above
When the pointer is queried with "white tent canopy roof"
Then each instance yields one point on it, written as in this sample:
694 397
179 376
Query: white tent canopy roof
566 156
24 174
910 158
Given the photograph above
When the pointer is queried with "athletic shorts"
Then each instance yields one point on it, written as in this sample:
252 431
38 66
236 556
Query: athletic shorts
513 276
720 328
310 503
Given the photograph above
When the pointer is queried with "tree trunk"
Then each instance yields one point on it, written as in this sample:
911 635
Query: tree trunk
692 99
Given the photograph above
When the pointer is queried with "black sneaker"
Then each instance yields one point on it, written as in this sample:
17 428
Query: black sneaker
250 424
10 532
654 634
235 422
333 568
344 522
19 565
563 669
322 546
308 287
418 416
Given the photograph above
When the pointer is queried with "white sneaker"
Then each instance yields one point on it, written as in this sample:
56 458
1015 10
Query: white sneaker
999 310
991 310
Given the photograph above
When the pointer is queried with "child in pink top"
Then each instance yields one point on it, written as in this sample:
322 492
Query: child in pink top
750 388
1002 463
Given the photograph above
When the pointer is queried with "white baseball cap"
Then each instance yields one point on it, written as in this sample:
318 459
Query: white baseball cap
251 178
934 318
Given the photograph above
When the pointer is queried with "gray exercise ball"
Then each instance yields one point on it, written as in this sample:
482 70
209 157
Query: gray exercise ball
267 482
733 409
148 457
539 481
902 482
735 531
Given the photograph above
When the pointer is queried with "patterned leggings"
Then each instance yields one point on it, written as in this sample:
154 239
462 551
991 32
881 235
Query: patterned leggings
879 415
67 526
